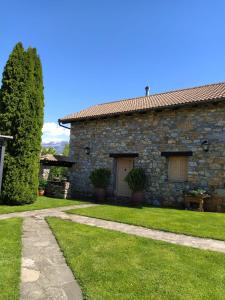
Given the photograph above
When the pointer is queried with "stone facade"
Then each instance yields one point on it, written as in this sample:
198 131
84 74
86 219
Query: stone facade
149 134
44 171
58 189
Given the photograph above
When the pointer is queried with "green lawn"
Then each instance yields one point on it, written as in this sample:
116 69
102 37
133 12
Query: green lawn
200 224
41 203
10 256
112 265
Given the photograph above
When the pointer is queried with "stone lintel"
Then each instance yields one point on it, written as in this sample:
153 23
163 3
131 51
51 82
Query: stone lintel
176 153
118 155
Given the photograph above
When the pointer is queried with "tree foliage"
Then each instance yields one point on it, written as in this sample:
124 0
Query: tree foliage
21 114
66 150
48 150
60 172
57 172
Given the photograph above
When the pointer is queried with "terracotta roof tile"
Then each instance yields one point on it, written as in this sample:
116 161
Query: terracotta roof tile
199 94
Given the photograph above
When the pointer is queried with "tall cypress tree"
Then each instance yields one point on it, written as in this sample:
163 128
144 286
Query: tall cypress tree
21 114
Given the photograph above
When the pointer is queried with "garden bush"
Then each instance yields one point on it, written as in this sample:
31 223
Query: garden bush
100 178
21 114
136 179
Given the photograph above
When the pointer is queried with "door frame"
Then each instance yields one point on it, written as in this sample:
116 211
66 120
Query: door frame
116 175
114 171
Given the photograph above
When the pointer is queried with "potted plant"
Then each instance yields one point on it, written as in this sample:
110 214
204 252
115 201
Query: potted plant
100 179
196 197
41 187
136 180
197 193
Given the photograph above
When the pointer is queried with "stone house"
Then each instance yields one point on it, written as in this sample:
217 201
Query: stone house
178 137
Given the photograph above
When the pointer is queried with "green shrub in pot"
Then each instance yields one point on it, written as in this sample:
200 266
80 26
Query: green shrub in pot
136 180
100 179
42 186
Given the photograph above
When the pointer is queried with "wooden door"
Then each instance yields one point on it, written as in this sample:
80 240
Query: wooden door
124 165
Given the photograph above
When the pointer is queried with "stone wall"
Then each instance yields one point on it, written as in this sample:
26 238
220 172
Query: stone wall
58 189
44 171
149 134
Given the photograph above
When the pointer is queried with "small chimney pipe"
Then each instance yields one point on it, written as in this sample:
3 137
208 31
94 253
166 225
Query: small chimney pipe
147 91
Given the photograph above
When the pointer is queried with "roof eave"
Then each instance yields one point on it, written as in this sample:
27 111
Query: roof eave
158 108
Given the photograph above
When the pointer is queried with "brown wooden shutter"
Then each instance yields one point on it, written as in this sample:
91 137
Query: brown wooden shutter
177 168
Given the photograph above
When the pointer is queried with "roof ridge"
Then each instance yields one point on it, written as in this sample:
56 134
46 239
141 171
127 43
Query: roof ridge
183 96
161 93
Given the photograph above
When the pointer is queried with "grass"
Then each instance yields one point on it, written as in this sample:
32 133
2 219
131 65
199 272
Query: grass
10 256
112 265
209 225
41 203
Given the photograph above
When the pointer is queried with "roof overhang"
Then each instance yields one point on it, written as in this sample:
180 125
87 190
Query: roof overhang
56 163
56 160
141 111
4 139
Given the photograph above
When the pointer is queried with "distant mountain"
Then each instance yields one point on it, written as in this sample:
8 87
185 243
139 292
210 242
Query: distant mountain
59 146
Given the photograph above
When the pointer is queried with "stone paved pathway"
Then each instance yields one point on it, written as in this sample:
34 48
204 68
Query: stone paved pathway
46 211
179 239
45 274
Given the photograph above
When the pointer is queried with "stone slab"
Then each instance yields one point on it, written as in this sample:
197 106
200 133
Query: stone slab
174 238
42 212
44 274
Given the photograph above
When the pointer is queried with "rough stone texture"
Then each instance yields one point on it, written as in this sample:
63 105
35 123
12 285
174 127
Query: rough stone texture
150 134
58 189
45 274
44 171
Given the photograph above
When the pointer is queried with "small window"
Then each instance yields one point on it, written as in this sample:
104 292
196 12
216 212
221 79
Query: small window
177 168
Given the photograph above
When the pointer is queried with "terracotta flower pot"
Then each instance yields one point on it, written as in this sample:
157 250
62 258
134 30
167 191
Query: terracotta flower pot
41 192
100 194
137 198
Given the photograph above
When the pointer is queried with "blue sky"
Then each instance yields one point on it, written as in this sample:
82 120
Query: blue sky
95 51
